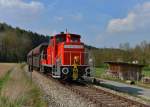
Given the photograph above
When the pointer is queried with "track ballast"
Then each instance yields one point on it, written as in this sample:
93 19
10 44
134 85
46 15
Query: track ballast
99 97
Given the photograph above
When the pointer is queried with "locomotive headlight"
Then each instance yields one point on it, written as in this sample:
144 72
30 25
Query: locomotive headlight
87 71
73 46
65 70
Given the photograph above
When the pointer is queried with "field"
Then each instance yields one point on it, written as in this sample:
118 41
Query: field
4 67
16 89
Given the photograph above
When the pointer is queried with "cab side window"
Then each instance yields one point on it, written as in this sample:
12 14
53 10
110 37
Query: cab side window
74 39
60 39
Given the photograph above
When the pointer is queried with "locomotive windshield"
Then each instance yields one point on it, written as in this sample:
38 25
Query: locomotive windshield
60 39
64 38
74 39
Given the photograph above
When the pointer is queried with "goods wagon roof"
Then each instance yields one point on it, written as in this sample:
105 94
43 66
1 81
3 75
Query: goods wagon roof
37 50
30 53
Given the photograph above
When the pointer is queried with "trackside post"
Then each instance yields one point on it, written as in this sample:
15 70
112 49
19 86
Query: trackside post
31 67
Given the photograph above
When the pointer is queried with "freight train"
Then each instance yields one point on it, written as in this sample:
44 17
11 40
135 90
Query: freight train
64 57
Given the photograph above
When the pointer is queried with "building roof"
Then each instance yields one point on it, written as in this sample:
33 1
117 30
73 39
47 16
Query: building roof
124 63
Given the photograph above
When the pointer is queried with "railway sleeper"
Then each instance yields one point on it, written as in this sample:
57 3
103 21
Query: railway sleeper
137 105
84 90
101 104
111 102
101 96
96 96
116 104
105 101
134 104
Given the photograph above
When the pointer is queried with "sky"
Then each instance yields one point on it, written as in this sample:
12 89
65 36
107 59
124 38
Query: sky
101 23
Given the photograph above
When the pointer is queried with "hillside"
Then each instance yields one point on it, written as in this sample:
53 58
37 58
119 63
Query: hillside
15 43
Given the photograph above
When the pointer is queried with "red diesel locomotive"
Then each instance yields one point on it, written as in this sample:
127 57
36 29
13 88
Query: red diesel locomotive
64 58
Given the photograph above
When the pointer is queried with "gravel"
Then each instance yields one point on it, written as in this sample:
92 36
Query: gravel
58 95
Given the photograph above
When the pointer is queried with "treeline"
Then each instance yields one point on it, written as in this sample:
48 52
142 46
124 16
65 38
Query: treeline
140 53
108 54
15 43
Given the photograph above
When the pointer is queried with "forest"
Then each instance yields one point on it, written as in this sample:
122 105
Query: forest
140 53
15 43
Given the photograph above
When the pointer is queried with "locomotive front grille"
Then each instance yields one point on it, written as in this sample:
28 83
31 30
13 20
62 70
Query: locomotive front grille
69 57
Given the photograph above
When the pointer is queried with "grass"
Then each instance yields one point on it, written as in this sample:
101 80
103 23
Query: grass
4 79
16 90
146 73
22 65
101 73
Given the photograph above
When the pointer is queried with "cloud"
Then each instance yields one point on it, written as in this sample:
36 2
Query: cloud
75 17
20 4
136 20
20 12
59 18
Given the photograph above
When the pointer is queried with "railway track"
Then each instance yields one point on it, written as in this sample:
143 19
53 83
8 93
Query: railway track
103 98
99 97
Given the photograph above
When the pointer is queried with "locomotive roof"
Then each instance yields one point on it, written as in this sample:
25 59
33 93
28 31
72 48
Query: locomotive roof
64 34
37 49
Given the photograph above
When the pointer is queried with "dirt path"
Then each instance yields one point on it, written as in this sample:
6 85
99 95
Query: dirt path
4 67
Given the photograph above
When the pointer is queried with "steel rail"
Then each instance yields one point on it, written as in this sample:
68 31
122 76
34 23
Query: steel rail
99 97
